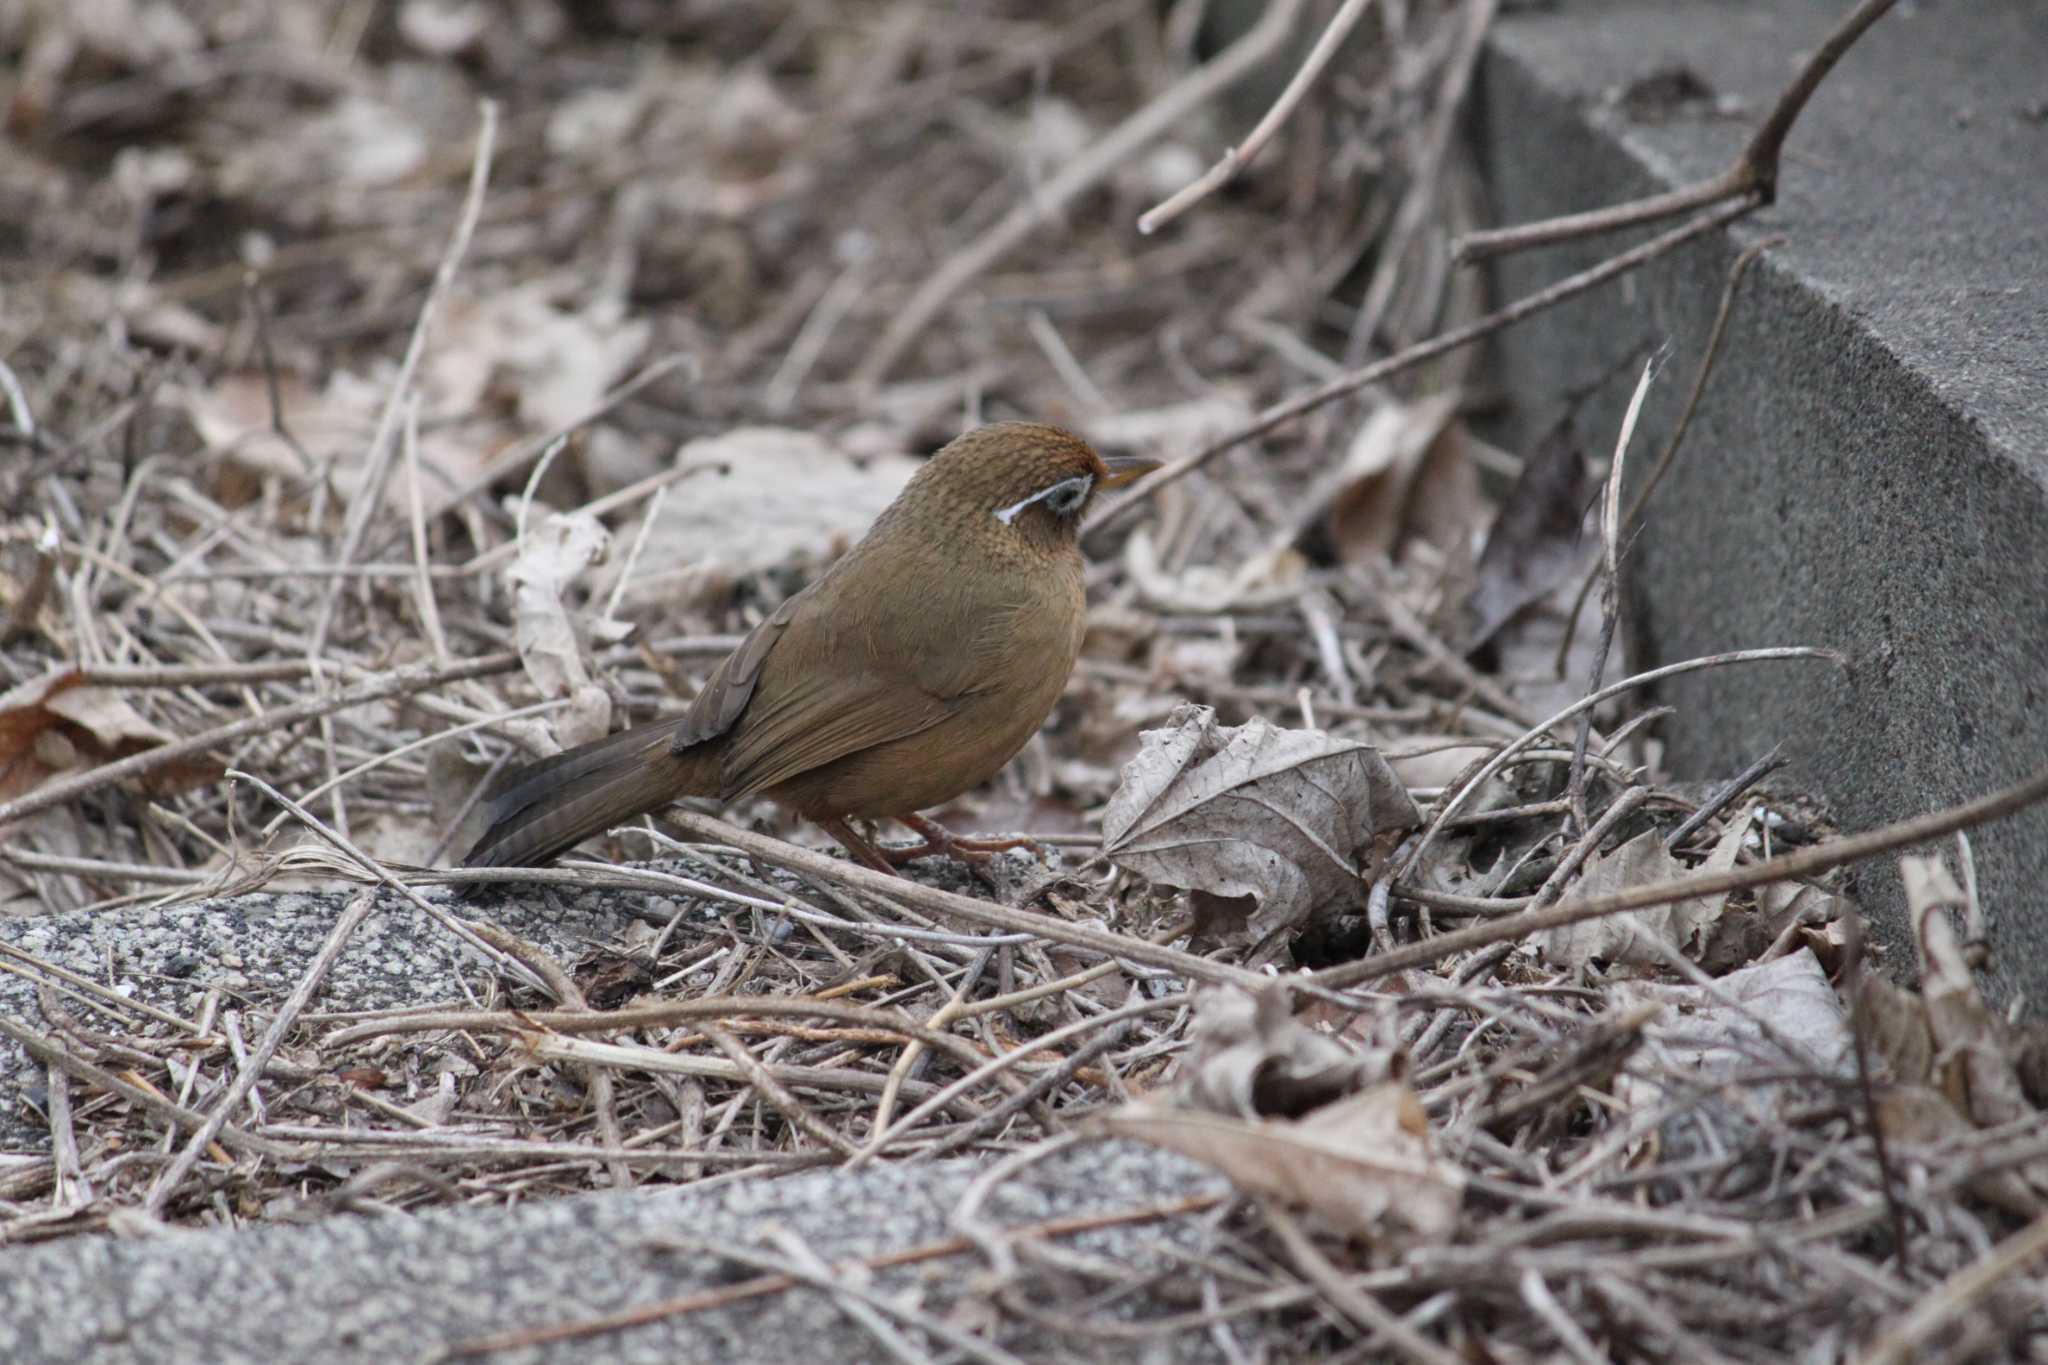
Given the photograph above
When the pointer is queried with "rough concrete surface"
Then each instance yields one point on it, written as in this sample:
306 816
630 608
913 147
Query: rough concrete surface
395 1289
255 949
1867 469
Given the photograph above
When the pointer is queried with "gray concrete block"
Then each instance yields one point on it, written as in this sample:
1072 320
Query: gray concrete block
397 1288
1867 470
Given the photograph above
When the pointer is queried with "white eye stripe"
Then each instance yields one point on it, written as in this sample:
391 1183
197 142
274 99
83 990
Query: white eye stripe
1063 497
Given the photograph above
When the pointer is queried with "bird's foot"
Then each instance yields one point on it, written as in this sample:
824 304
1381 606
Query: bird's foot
941 842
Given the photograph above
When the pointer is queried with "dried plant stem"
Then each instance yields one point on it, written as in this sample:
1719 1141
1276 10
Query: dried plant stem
1235 159
603 1098
1352 381
1352 1301
1753 176
460 929
775 1093
1610 587
384 441
1507 753
1904 1340
47 1051
1715 336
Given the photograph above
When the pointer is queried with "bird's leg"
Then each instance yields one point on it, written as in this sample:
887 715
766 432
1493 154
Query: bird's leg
863 850
942 842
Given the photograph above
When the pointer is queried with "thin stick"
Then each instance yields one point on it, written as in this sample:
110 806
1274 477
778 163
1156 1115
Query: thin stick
603 1091
1353 1302
1235 159
1938 1309
758 1076
1714 804
416 518
458 928
516 459
141 1096
1754 172
1520 310
384 441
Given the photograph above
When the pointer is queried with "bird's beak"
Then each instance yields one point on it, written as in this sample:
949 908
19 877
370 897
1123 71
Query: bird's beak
1125 470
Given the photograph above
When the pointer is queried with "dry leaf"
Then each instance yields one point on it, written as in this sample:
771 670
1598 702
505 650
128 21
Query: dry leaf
1358 1163
1921 1116
1252 1058
1633 936
1953 1064
1751 1018
552 553
1406 474
1894 1024
54 723
768 494
1977 1055
1283 816
234 418
1538 542
553 362
1267 579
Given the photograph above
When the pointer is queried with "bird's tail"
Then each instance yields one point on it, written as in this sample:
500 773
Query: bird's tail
551 806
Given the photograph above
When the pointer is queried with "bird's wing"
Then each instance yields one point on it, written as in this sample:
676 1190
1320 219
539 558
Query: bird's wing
820 717
731 685
838 669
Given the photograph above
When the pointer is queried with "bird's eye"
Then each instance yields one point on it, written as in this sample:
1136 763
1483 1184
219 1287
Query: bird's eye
1063 499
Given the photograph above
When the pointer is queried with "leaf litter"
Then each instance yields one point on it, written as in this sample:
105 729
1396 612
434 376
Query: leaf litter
693 238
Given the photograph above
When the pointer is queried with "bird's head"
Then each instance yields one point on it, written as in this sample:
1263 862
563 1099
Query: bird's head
1022 479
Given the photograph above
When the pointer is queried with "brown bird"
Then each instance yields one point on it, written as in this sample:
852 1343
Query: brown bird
911 671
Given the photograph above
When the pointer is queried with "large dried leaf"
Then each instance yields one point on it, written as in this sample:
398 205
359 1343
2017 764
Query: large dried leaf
1359 1163
766 495
1284 817
1774 1015
1637 937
